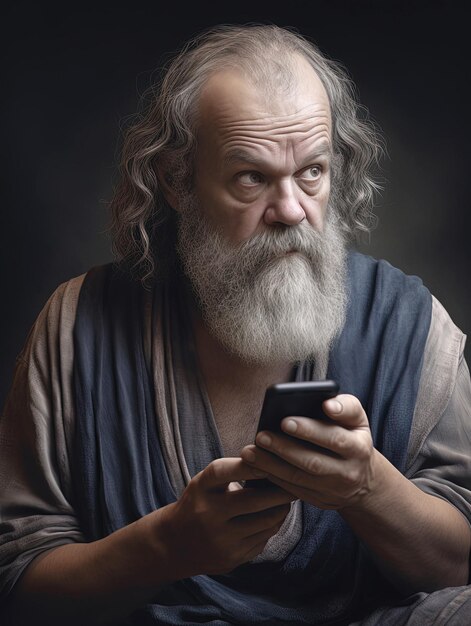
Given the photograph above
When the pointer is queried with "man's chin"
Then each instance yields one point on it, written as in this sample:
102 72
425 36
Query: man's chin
288 262
280 325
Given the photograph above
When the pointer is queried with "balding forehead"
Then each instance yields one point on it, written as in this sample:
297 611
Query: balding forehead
230 92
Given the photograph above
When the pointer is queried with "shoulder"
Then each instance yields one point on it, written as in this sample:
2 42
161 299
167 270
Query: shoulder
60 310
382 296
53 329
62 304
445 338
364 270
79 300
443 356
55 320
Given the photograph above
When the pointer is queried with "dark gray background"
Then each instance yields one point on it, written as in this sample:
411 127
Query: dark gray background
72 74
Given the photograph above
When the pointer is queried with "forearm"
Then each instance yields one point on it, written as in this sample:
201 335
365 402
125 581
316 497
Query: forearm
421 542
214 527
94 583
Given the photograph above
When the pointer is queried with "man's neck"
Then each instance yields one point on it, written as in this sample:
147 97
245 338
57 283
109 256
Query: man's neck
235 389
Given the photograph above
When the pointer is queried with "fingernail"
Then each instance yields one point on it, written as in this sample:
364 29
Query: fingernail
334 406
264 440
290 426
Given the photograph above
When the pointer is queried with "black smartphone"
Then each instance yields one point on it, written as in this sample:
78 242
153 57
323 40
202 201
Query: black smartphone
303 399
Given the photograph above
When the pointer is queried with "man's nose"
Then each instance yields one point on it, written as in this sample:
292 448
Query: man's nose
283 207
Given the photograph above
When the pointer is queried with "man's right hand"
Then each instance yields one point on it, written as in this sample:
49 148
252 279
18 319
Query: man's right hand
216 524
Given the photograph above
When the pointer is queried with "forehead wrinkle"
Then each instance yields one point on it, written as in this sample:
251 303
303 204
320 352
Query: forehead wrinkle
274 123
305 136
266 129
274 134
240 151
236 132
235 139
305 114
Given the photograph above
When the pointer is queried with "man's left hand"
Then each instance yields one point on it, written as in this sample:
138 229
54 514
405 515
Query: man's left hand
341 475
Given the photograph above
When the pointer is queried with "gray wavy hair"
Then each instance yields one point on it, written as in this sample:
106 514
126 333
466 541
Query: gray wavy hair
163 133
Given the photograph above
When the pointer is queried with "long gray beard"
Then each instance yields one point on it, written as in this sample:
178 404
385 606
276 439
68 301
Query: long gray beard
261 304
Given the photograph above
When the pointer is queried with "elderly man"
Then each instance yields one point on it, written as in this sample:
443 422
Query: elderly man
130 427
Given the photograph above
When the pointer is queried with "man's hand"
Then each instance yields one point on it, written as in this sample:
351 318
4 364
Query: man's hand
340 475
407 530
217 525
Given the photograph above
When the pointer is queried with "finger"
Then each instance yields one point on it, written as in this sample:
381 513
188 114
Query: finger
346 410
293 462
320 499
253 523
314 476
248 501
220 473
325 438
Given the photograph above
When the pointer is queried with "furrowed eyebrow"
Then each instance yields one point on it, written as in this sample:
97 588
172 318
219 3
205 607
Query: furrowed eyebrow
238 155
323 150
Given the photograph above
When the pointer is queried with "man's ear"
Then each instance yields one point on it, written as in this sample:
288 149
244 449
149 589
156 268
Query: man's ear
166 183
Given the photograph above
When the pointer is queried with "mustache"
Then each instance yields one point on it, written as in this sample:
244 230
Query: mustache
264 247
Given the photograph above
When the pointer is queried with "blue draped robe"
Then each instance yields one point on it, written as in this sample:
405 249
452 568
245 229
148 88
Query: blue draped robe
121 474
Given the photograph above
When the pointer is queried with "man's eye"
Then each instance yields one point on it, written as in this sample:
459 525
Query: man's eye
250 178
312 173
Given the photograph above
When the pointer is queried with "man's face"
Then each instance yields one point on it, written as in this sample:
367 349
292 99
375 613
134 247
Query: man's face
264 255
263 160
